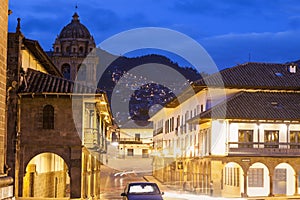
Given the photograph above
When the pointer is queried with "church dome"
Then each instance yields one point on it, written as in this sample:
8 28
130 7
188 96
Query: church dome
75 29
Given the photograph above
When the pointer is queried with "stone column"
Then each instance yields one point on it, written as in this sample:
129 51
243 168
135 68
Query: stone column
245 185
75 179
75 172
201 183
20 173
215 177
206 184
271 185
296 183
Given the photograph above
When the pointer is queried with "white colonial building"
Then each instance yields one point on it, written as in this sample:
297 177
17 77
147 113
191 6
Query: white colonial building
238 135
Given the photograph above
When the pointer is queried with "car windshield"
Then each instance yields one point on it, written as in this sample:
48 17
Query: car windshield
143 189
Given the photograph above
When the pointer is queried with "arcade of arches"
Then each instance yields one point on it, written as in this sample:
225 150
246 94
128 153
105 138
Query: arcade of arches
232 176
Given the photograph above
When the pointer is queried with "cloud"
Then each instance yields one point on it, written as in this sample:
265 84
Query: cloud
231 49
263 28
219 8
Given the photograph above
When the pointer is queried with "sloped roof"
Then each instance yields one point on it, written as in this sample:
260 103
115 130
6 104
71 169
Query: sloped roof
256 106
39 82
35 48
253 75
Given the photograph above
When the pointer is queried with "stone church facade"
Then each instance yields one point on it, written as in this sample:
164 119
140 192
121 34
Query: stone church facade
72 52
50 153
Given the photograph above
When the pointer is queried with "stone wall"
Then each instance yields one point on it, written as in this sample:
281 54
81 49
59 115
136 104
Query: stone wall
6 188
64 132
49 184
3 58
13 71
63 140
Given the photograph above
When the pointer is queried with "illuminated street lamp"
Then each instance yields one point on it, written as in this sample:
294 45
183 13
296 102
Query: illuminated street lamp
115 144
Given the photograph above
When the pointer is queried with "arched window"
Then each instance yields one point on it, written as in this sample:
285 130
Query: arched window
48 117
81 73
56 49
65 70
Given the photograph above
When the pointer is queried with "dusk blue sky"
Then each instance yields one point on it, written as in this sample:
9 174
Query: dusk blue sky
231 31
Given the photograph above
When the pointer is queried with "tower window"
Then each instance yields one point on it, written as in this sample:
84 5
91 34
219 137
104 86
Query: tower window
56 49
80 49
48 117
65 70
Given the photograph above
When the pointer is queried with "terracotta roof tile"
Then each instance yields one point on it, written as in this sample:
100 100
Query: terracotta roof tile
255 76
39 82
257 105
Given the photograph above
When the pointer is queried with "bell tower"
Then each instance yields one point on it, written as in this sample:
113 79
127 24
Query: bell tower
72 52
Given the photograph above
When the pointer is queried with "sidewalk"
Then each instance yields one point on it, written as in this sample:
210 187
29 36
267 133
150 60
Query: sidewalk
164 187
275 198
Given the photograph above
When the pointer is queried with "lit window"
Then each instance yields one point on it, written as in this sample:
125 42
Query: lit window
271 138
295 139
245 138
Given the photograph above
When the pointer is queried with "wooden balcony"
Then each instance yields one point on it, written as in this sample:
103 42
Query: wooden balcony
263 149
91 138
130 141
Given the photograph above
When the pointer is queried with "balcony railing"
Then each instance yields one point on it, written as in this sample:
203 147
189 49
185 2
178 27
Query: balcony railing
130 141
263 148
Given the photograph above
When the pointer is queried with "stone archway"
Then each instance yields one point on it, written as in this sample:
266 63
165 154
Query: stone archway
70 155
46 176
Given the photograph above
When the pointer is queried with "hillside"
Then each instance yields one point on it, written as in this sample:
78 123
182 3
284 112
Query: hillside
142 98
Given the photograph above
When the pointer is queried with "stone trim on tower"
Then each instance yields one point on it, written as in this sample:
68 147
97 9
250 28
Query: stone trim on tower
71 47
